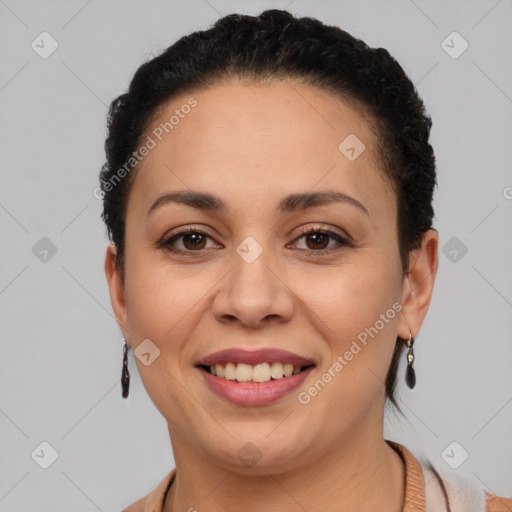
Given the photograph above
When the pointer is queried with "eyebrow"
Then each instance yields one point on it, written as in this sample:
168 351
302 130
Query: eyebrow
289 204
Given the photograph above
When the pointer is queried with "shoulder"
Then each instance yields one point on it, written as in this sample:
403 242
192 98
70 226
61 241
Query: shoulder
432 488
465 494
497 503
138 506
153 502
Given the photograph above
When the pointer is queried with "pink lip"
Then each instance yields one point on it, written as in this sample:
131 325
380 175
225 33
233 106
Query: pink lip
254 393
252 357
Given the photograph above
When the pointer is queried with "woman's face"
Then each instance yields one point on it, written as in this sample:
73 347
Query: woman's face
250 278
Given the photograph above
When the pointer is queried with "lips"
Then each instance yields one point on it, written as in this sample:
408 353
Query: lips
260 390
253 357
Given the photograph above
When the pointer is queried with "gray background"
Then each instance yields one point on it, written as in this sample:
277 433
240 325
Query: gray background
61 351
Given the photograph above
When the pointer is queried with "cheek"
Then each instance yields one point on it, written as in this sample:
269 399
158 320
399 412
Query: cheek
345 305
349 298
158 303
352 308
165 309
166 303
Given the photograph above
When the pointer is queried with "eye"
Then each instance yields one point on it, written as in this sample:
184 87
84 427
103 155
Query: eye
193 240
319 238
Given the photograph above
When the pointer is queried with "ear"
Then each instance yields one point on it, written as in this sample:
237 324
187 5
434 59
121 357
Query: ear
116 288
418 285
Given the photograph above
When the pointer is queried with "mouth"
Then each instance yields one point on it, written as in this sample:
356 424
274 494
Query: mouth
254 378
258 373
260 365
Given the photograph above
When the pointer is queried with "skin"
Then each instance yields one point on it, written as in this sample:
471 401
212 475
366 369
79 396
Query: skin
252 144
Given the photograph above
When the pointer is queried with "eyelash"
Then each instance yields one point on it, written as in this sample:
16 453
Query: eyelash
165 243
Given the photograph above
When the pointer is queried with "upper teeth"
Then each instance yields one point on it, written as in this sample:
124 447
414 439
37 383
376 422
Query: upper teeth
258 373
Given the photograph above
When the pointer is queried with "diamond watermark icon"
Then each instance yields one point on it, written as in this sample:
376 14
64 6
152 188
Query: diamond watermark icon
249 454
146 352
44 455
454 455
44 250
44 45
249 250
454 45
351 147
454 249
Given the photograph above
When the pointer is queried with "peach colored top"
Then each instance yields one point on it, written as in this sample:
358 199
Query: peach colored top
414 497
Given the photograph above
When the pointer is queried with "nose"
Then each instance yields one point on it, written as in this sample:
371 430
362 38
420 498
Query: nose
254 294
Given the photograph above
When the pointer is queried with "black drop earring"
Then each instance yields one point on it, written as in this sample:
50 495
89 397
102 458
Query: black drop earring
410 375
125 377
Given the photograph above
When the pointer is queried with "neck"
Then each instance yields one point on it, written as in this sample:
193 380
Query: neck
354 474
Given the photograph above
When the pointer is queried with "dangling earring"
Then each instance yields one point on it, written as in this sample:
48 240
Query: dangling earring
125 377
410 375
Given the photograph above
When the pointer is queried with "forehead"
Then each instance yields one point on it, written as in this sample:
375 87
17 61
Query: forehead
258 141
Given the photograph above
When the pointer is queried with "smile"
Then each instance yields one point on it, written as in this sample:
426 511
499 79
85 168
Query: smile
263 372
254 377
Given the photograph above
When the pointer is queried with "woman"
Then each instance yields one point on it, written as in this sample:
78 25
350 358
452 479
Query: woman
268 194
